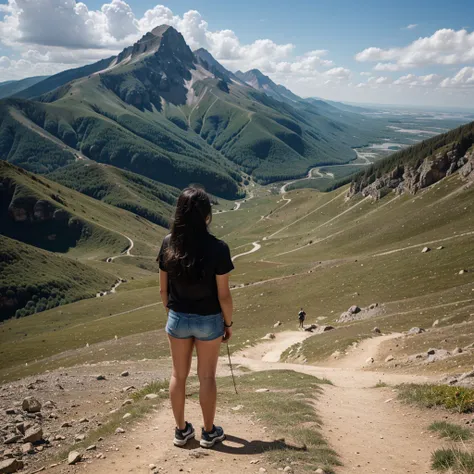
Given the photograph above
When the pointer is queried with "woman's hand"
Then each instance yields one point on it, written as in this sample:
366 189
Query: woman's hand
227 334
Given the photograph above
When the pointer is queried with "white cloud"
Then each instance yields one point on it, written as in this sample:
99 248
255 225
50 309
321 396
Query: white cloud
67 33
463 79
411 26
338 73
444 47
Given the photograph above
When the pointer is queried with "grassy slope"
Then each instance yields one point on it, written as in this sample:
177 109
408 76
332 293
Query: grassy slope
41 279
13 87
145 197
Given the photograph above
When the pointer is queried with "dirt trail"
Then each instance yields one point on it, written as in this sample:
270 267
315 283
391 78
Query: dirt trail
370 430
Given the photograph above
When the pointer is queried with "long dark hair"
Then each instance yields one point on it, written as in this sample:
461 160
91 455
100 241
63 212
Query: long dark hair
189 231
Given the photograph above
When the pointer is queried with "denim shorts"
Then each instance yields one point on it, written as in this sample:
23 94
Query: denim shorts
202 328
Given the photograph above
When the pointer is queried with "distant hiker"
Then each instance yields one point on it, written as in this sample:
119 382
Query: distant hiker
194 287
301 317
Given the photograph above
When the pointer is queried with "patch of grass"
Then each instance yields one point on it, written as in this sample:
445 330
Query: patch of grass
451 431
380 384
287 410
458 399
460 462
159 387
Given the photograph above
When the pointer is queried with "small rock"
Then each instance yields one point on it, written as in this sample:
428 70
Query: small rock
320 471
27 448
101 377
129 401
254 461
128 389
49 404
431 351
80 437
152 466
374 305
10 466
126 416
83 420
12 439
278 323
138 446
74 457
92 447
462 272
269 336
389 358
237 407
457 350
354 309
66 424
376 330
435 323
119 431
370 360
31 405
416 330
440 247
10 411
425 250
125 373
262 390
262 469
287 469
151 396
33 434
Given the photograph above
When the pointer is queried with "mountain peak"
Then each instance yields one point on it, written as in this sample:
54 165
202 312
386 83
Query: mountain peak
162 29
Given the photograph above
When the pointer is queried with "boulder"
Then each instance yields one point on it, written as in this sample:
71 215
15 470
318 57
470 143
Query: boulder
311 328
10 466
416 330
31 405
74 457
354 309
33 434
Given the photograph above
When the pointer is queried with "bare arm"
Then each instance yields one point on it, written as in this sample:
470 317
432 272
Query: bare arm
164 288
225 300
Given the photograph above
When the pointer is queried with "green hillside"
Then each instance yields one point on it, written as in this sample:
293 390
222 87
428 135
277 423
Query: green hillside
48 215
33 280
10 88
132 192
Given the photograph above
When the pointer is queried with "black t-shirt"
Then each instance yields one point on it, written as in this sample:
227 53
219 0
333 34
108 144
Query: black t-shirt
199 296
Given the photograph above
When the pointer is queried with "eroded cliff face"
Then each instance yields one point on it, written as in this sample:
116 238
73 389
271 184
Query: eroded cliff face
36 221
410 179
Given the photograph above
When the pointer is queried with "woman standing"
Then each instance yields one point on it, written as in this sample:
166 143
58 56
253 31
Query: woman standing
194 287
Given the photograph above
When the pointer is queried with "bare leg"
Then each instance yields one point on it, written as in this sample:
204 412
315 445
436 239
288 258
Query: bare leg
207 355
181 353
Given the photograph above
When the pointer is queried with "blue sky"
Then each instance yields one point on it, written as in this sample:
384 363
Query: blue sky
313 47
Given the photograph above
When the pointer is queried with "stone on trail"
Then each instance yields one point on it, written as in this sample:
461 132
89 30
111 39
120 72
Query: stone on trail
262 469
435 323
431 351
416 330
101 377
27 448
325 328
389 358
320 471
425 250
152 467
262 390
119 431
10 466
80 437
92 447
269 336
31 405
129 388
237 407
376 330
126 416
125 373
33 434
311 328
370 360
278 323
440 247
462 272
151 396
128 401
74 457
287 469
457 350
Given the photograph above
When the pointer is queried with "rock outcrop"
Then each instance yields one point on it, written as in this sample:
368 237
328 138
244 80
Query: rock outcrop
412 178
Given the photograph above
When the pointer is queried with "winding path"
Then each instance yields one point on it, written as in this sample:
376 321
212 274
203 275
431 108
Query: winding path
256 247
